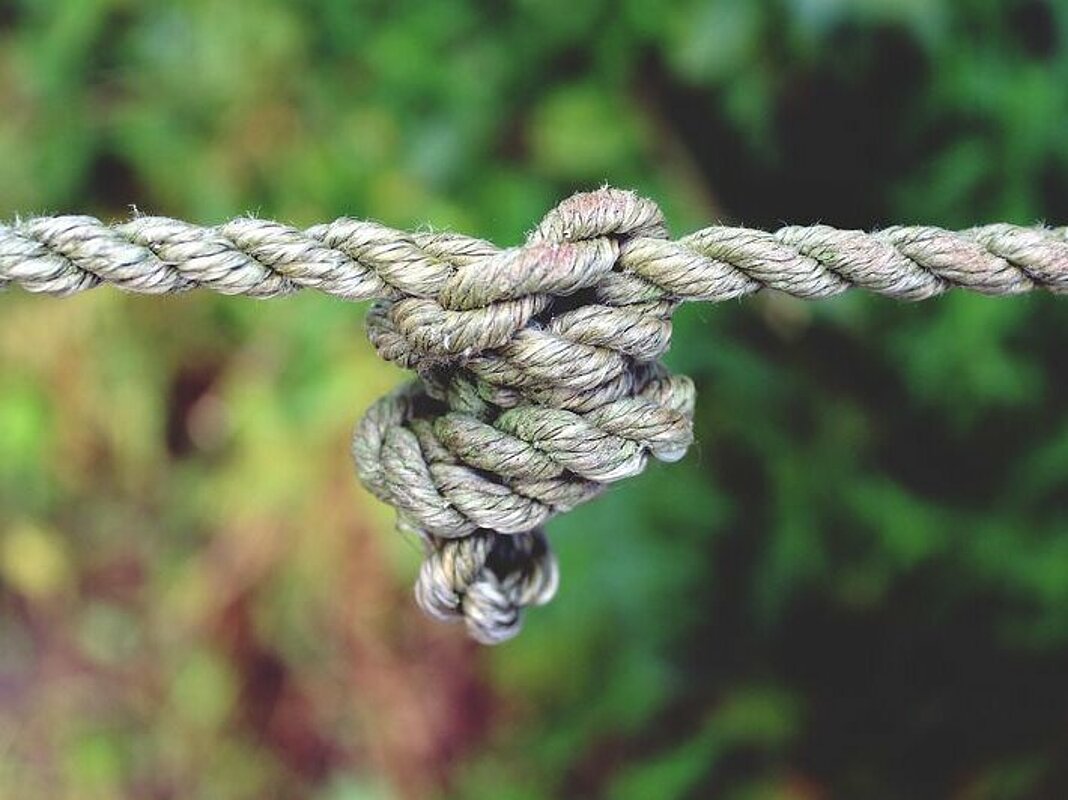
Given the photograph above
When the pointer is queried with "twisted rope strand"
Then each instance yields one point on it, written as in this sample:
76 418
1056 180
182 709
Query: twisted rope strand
362 260
538 368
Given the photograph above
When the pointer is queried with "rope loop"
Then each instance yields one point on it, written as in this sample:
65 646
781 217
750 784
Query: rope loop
533 392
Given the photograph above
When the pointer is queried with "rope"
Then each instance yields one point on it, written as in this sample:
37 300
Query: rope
539 379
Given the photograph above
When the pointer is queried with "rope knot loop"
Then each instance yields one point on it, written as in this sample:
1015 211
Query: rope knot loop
533 393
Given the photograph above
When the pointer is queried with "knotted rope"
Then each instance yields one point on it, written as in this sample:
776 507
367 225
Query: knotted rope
538 366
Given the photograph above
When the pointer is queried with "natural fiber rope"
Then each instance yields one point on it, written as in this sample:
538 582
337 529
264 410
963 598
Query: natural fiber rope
539 379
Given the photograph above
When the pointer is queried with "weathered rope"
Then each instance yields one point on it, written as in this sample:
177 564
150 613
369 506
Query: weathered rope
539 379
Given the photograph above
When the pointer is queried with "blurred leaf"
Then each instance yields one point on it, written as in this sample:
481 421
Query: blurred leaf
582 133
203 690
34 561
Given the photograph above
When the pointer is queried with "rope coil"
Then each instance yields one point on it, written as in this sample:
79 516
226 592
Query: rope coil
539 379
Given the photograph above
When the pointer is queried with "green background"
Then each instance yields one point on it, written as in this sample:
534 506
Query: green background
855 586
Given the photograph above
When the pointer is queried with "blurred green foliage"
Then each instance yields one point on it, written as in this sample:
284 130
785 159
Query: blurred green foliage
855 586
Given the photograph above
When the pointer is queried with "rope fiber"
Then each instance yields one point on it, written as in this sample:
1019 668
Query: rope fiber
539 380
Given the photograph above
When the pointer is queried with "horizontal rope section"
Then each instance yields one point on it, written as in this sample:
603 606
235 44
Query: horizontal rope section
362 260
539 379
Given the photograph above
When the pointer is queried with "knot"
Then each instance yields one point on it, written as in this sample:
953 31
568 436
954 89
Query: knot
538 383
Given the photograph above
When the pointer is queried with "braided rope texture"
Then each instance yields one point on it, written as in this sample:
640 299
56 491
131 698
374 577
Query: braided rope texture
539 380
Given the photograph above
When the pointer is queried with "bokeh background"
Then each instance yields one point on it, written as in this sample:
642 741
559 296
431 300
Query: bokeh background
855 586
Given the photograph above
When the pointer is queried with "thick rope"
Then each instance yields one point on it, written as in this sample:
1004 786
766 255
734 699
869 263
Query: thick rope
539 374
